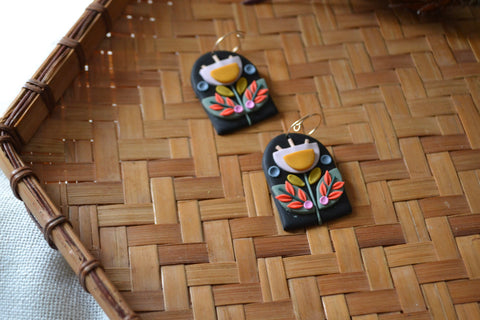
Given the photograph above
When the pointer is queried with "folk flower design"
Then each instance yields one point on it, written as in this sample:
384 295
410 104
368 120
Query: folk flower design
234 96
298 201
307 189
330 188
237 100
293 198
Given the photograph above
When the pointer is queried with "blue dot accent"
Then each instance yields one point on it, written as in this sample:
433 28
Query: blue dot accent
325 159
274 171
249 69
202 86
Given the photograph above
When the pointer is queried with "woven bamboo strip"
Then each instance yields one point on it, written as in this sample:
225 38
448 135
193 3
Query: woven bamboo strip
306 298
335 307
376 267
409 293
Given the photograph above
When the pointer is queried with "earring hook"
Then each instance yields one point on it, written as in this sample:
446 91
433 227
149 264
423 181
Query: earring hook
238 34
298 124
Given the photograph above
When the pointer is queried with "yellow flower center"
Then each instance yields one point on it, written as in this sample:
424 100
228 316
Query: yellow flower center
300 160
226 74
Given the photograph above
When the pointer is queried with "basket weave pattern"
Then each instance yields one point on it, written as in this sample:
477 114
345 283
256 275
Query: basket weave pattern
181 219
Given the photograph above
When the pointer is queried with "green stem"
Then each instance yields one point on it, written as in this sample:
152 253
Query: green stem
237 96
293 196
330 186
314 199
248 119
225 105
240 102
256 91
310 192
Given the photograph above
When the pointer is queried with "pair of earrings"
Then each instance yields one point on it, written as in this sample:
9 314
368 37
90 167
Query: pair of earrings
300 172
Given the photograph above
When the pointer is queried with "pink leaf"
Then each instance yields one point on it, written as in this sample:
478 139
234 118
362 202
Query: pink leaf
327 178
302 195
216 107
323 189
289 188
295 205
338 185
335 195
284 198
259 99
219 98
230 102
248 94
261 92
227 112
253 86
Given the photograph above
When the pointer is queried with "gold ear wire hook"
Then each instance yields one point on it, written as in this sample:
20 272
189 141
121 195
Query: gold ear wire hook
238 34
298 124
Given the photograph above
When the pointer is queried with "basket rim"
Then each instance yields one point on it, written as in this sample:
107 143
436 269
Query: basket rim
23 118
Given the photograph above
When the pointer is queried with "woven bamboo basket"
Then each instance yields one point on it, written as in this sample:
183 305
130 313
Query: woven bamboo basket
161 218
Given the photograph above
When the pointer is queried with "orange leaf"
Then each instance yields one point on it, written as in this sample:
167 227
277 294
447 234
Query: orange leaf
227 112
262 92
327 178
335 195
253 86
230 102
302 195
248 94
295 205
216 107
338 185
284 198
259 99
323 189
219 98
289 188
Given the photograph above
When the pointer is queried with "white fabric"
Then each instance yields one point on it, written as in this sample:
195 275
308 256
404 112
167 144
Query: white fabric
35 281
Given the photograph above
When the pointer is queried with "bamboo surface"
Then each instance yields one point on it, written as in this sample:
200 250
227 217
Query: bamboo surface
181 219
